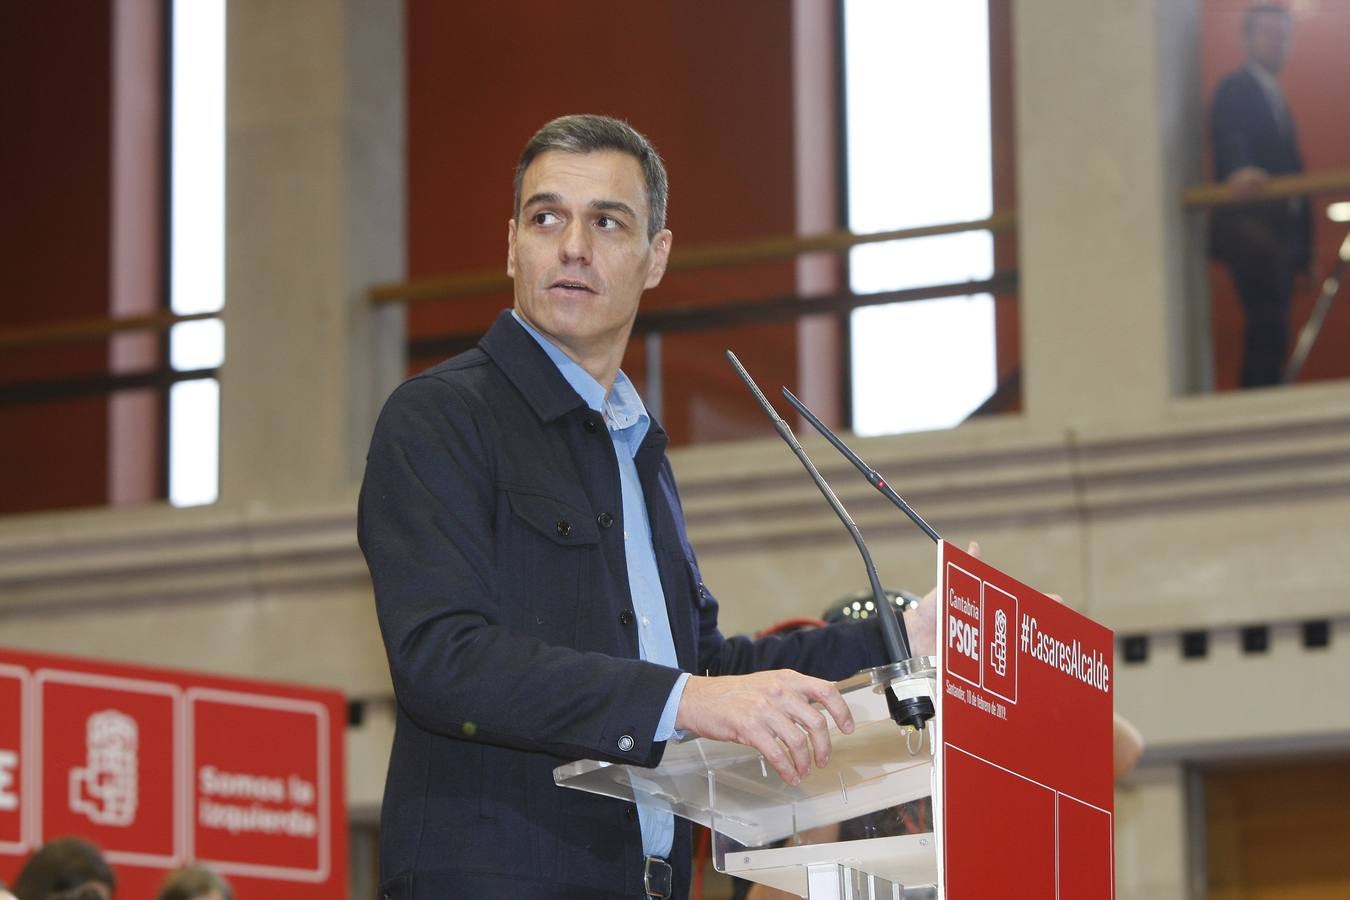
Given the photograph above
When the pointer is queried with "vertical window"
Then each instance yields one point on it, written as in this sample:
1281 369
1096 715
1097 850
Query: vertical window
918 136
196 245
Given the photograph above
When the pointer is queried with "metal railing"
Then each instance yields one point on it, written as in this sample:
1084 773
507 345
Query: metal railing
655 322
706 256
92 330
652 324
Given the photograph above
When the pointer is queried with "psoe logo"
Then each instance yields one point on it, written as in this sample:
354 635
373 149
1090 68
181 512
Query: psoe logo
105 789
998 647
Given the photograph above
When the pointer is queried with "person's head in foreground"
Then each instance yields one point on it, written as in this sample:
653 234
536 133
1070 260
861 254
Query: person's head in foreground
194 883
67 867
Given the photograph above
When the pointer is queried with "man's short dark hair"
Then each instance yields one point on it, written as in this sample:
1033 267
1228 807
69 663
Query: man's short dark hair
590 134
60 865
1259 10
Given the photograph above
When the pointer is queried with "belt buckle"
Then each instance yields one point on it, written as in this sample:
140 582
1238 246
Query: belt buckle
656 877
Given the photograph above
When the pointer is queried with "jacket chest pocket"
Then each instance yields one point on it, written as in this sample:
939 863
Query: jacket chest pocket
546 545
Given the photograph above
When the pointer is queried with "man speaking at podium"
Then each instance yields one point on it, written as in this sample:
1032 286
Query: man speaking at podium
536 590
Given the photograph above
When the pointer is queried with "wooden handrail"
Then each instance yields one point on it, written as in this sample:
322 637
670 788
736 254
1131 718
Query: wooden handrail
1326 181
705 256
93 329
48 390
702 256
677 319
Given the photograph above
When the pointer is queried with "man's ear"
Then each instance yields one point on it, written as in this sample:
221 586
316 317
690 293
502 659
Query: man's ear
511 248
660 257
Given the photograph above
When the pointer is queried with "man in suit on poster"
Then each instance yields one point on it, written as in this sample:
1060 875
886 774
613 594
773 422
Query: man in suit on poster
1263 245
537 593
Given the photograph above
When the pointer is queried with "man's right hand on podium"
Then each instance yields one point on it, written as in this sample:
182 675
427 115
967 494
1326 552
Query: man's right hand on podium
772 712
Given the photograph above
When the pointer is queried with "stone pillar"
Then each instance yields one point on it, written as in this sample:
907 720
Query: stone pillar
815 96
1153 835
1103 94
314 215
136 245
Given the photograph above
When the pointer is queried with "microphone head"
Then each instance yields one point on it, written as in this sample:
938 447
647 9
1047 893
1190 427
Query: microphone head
750 384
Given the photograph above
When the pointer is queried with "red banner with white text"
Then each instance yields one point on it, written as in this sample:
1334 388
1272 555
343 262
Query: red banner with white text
160 768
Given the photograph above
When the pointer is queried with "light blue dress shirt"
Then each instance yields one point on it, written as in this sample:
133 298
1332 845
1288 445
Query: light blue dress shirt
627 419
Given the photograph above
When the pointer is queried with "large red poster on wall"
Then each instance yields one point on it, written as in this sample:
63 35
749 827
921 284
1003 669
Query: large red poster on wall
1024 770
160 768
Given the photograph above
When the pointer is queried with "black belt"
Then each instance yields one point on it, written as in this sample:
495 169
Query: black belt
656 877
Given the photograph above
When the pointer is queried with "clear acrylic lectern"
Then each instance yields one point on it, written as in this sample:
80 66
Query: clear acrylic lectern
859 829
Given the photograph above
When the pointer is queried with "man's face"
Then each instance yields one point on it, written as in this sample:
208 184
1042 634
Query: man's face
579 254
1268 41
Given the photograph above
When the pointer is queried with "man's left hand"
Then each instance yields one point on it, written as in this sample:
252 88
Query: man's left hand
921 622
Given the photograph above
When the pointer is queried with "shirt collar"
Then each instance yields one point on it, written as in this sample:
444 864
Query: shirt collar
621 407
1268 82
529 369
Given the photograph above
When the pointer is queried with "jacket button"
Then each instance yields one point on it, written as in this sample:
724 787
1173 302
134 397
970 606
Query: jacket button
604 520
564 527
626 617
592 426
630 813
702 591
626 743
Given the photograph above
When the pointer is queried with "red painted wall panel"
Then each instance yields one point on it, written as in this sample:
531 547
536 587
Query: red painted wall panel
55 71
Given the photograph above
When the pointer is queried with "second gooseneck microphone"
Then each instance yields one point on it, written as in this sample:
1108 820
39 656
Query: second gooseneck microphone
892 628
872 475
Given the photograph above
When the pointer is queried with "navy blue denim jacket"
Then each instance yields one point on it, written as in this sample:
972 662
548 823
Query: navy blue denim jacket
503 602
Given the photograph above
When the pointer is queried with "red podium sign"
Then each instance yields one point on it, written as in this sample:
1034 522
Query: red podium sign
160 768
1024 772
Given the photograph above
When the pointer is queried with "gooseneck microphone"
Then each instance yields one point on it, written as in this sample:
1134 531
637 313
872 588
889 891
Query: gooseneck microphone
893 632
872 475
